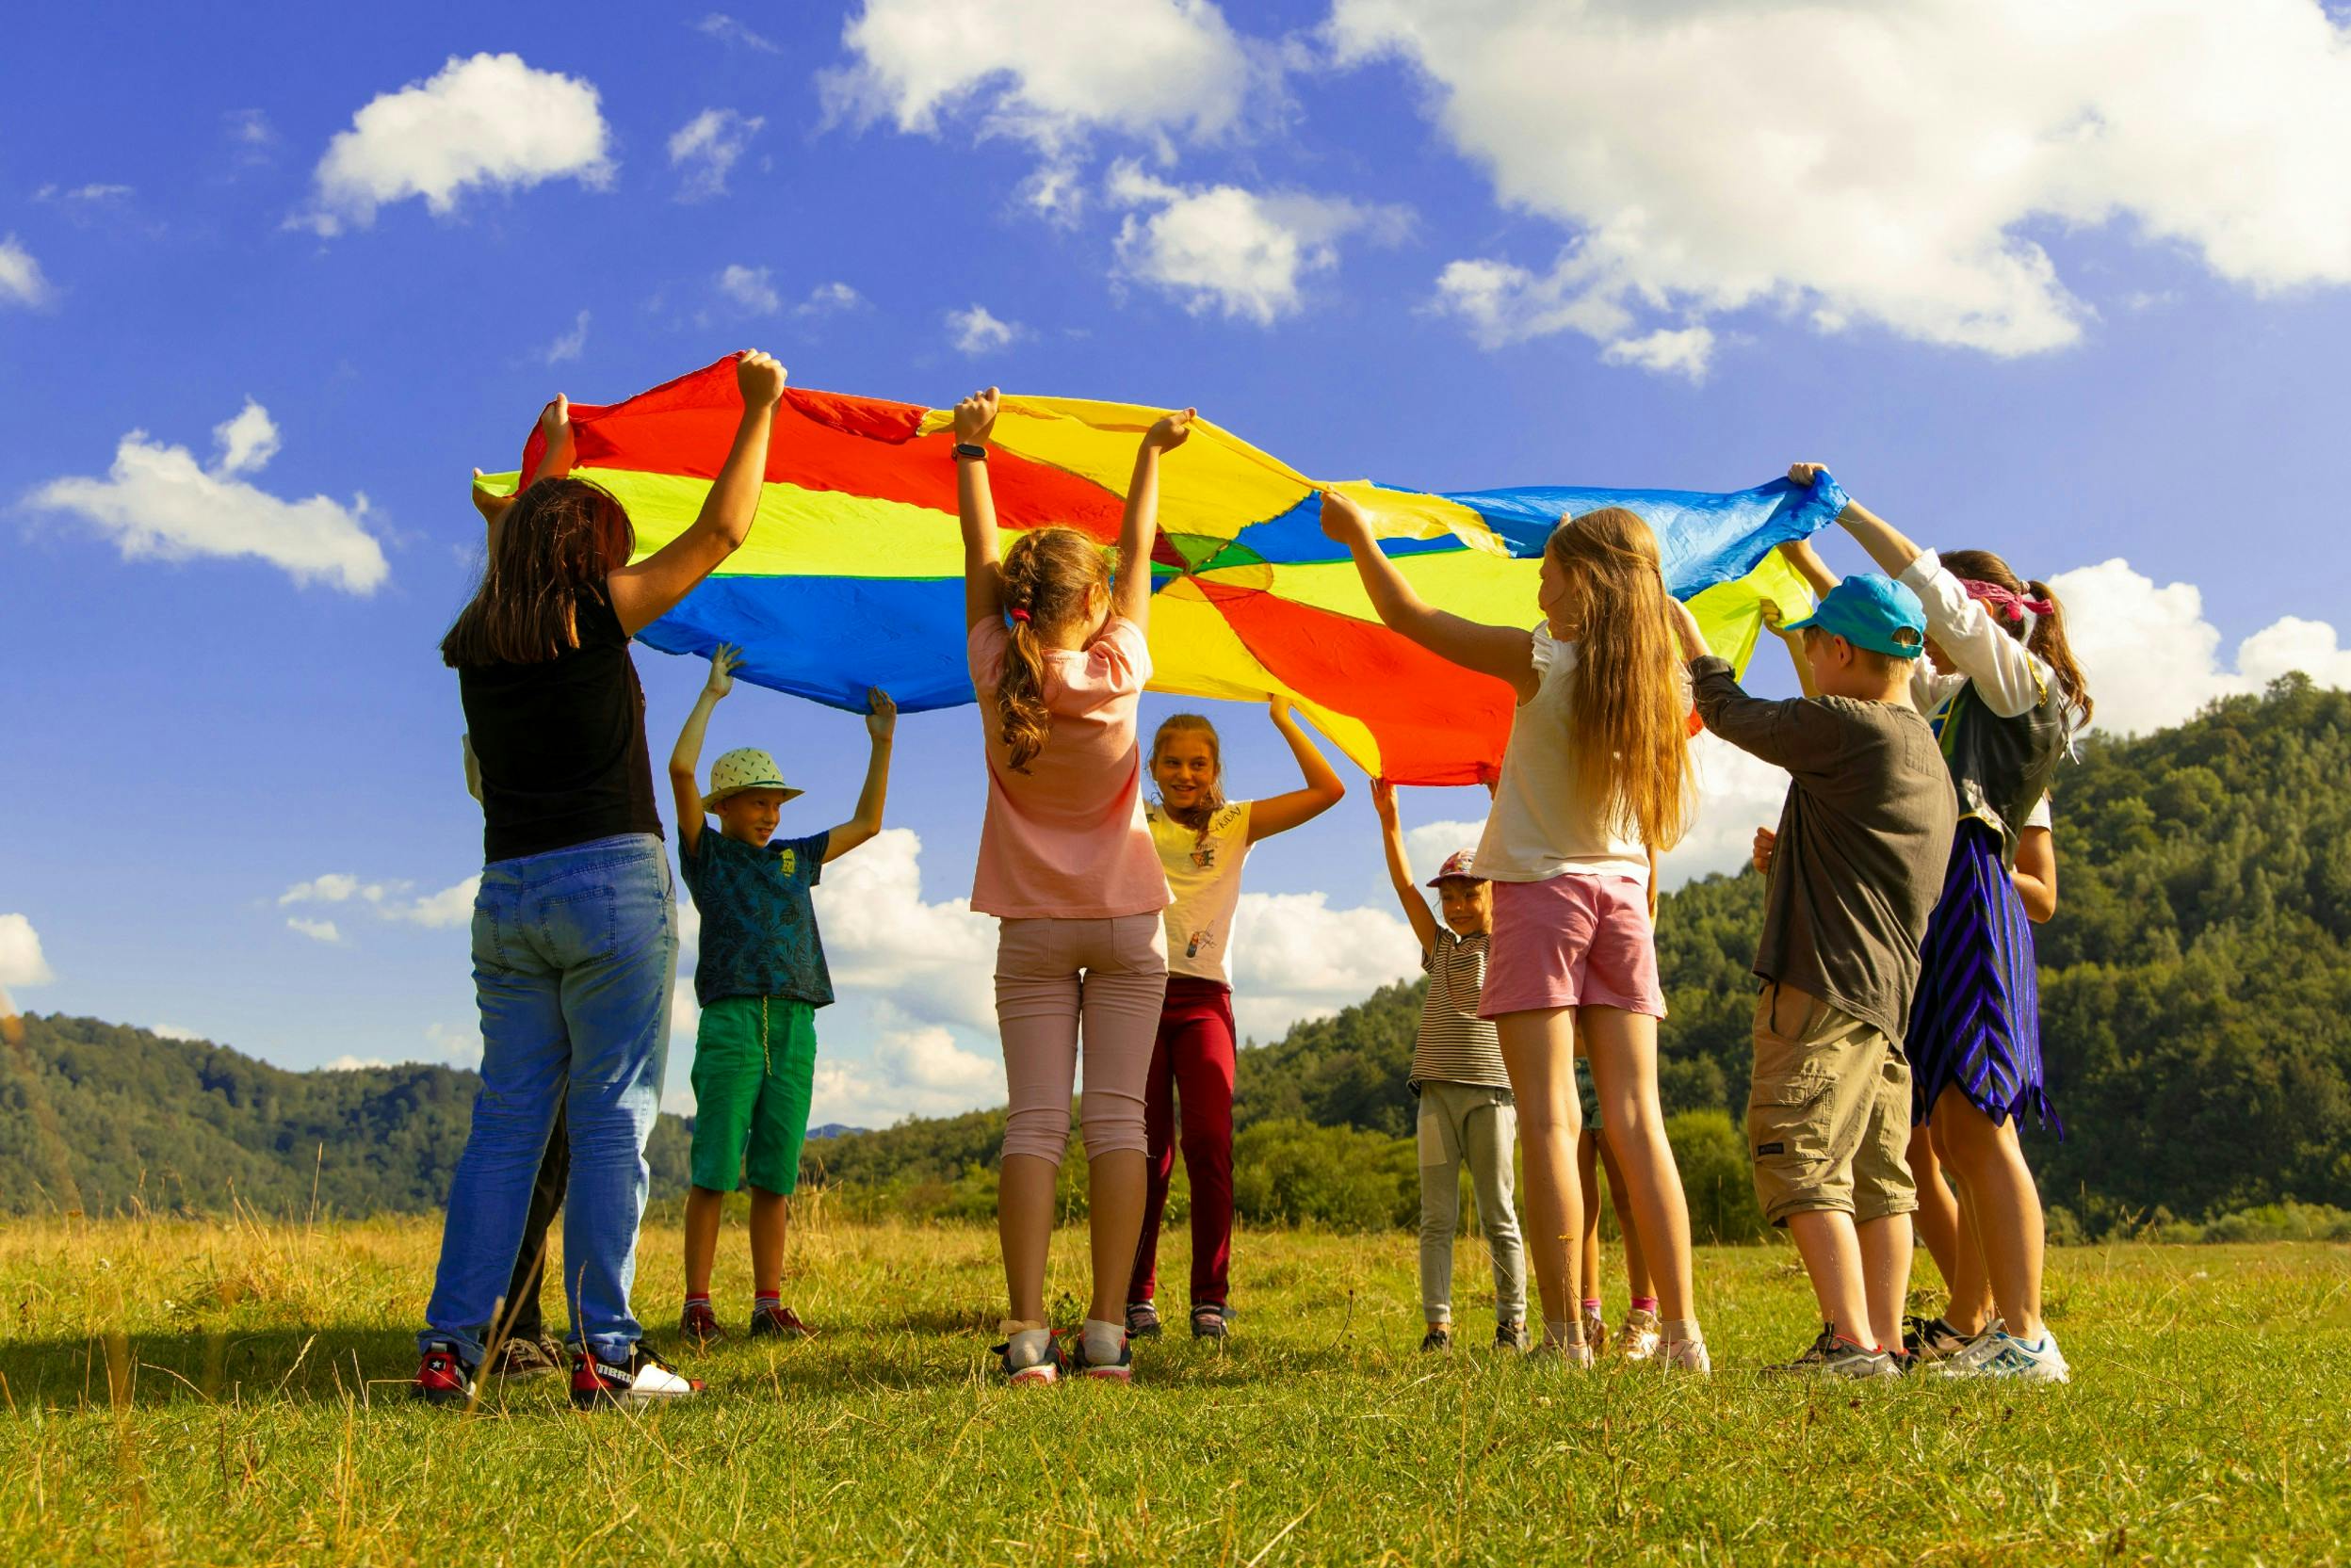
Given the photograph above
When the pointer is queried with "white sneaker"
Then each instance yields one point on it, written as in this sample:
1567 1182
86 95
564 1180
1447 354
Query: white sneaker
1688 1355
641 1380
1998 1353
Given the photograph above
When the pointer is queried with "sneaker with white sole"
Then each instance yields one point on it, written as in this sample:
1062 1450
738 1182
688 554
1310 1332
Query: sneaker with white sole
1687 1355
1567 1352
443 1378
1930 1339
642 1378
1833 1355
1142 1320
1121 1370
1998 1353
1641 1337
1594 1331
1042 1372
1508 1336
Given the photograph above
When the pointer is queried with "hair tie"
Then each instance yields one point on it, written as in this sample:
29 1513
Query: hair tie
2003 602
1021 616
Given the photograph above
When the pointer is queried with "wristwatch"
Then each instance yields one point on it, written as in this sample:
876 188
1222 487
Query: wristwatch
970 449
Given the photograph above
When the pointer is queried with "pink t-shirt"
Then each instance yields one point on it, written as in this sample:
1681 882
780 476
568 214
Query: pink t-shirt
1067 840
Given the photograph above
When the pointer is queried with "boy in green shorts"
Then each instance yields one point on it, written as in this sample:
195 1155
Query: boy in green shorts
760 978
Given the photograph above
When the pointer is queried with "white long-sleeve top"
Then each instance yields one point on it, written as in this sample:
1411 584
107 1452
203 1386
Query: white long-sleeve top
2010 678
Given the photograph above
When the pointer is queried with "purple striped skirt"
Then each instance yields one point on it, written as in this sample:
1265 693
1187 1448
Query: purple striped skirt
1976 1021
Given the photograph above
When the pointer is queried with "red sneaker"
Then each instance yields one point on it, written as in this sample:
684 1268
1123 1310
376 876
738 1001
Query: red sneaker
644 1379
781 1320
444 1378
699 1325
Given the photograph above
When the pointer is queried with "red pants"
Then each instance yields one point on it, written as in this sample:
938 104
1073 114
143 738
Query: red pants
1191 1062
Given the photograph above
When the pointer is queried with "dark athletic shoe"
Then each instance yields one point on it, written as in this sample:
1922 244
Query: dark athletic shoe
1042 1373
443 1379
1508 1336
1833 1355
518 1359
699 1326
1211 1320
1931 1339
1121 1370
779 1320
642 1378
1436 1340
1142 1320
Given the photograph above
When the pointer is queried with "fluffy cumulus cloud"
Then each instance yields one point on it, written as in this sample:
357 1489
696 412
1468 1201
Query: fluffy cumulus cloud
317 930
750 290
705 149
21 279
933 961
485 122
913 1068
159 501
2151 658
833 298
1295 957
977 330
173 1032
1048 72
452 906
21 959
1895 165
1222 247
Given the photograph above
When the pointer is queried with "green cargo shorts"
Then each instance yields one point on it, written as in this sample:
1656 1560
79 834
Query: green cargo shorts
754 1069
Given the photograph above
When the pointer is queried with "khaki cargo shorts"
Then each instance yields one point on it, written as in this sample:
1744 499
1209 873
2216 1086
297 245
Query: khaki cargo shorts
1828 1115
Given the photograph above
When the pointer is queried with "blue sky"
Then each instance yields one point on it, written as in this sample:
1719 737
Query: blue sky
2090 313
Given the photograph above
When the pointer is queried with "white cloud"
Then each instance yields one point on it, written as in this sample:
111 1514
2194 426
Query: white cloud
459 1044
1890 165
1668 351
353 1064
1736 794
1223 248
1426 845
1295 957
1048 72
250 129
2151 658
486 122
334 887
21 959
725 29
749 290
452 906
80 200
913 1070
977 330
707 148
569 346
172 1032
830 300
20 280
159 501
317 930
934 961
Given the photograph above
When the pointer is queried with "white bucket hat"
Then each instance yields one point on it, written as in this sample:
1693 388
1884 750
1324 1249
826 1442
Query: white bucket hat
746 767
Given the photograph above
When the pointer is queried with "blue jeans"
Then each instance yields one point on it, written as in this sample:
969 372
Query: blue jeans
574 952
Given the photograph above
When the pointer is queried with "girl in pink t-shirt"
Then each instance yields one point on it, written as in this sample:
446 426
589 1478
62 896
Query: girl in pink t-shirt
1067 866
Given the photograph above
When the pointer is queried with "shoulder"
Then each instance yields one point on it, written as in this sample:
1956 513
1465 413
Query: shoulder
1234 818
1551 653
985 645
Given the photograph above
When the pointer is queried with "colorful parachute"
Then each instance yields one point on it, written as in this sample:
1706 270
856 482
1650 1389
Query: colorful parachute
853 574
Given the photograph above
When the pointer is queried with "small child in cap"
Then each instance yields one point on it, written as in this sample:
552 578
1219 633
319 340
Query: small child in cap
1855 869
1467 1113
759 977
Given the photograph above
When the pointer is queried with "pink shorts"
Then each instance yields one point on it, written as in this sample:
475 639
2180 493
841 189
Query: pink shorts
1572 941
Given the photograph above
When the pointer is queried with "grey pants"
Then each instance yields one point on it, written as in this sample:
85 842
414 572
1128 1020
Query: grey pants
1463 1121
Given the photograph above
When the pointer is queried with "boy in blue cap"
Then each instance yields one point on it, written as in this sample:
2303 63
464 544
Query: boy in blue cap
1859 863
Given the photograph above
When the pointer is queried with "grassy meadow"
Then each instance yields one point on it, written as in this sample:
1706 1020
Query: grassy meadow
235 1392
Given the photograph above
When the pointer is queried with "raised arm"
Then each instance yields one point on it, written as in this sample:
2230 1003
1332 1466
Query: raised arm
643 594
555 461
975 503
882 724
1505 652
1131 590
1399 869
1324 788
685 756
1799 554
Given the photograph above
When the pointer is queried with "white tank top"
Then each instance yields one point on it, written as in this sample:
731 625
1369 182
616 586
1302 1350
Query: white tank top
1543 824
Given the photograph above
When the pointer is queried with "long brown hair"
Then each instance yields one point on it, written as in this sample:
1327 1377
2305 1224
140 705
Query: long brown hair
1212 798
561 536
1625 715
2047 638
1048 574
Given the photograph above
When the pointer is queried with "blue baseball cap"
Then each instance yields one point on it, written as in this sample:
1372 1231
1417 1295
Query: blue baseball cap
1871 612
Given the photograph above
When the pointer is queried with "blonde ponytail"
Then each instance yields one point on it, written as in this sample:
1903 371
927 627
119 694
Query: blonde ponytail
1049 577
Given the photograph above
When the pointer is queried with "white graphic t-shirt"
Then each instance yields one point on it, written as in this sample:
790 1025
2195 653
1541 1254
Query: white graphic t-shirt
1203 875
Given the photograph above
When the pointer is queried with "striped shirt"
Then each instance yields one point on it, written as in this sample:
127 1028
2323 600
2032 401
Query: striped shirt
1454 1045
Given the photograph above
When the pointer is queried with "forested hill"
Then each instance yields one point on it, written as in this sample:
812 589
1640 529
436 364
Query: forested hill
103 1118
2195 1012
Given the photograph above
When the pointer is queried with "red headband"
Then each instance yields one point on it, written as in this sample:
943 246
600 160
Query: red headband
2003 602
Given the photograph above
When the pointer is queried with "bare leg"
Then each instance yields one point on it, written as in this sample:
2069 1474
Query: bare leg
703 1210
1636 1262
1539 1051
1832 1260
1587 1170
1623 1048
1886 1248
2007 1205
1024 1225
770 1216
1115 1183
1938 1218
1970 1283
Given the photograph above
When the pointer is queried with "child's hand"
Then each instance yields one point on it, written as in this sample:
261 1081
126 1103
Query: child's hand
555 423
1278 707
725 660
1804 472
1344 521
1770 610
1765 842
1170 432
492 508
1384 801
761 377
975 416
881 717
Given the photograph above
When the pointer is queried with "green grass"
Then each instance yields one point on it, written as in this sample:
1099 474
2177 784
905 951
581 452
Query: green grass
194 1392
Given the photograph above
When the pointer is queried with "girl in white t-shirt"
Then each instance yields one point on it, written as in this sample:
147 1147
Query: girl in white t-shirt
1202 839
1597 771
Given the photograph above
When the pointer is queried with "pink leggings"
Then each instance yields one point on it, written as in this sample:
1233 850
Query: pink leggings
1049 975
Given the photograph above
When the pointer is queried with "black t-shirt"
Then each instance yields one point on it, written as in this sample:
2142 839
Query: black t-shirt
562 744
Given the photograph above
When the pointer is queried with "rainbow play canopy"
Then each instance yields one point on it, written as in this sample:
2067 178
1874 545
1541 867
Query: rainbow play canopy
852 576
